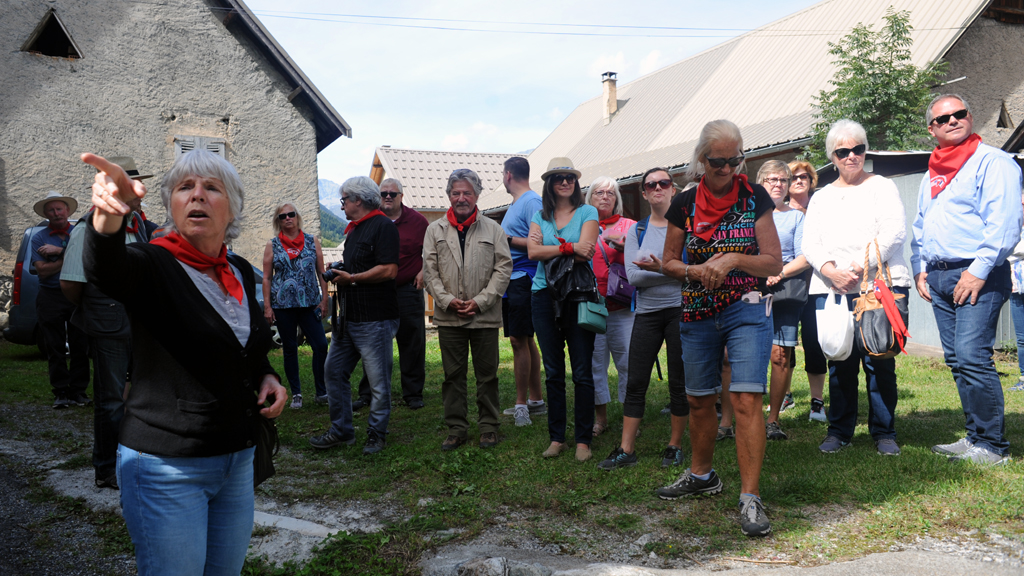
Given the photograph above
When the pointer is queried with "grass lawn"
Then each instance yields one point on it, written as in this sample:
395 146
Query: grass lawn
822 507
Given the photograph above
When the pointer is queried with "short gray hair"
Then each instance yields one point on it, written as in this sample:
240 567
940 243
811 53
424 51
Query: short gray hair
280 208
773 167
713 132
845 129
607 182
206 164
464 175
364 189
928 116
392 181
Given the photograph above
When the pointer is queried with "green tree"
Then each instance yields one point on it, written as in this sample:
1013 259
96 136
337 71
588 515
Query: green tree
332 228
877 85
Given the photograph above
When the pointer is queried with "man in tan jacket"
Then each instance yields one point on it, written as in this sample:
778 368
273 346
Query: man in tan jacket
466 268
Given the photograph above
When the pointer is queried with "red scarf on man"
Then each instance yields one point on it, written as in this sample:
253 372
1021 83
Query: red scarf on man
65 231
352 225
292 247
133 224
710 210
610 220
188 254
461 225
944 163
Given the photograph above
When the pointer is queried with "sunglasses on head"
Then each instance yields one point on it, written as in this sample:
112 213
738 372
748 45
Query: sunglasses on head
652 185
719 162
284 215
559 178
857 150
389 194
941 120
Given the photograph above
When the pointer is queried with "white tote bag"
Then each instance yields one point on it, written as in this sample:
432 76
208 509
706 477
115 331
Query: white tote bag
835 329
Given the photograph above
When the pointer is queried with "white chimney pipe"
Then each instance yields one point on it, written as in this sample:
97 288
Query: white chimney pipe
611 102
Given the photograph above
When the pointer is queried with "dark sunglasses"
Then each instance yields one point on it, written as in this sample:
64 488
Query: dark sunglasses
719 162
802 177
559 178
389 194
940 120
857 150
654 184
284 215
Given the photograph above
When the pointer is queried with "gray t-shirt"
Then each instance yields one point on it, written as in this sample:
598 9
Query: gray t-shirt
655 291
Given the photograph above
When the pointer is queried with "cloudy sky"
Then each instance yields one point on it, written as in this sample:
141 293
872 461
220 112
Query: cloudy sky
485 76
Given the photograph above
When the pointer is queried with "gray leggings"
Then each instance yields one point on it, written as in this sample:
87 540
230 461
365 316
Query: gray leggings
650 329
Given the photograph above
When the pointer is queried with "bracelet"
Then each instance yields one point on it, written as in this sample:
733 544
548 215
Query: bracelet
686 272
782 275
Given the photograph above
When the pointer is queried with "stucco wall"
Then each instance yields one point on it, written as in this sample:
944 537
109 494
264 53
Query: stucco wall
149 72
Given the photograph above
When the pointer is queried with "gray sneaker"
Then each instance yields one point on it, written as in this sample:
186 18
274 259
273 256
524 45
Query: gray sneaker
979 455
522 416
538 409
887 447
955 449
61 402
296 401
787 403
618 459
321 400
831 445
374 442
817 411
689 485
773 431
753 520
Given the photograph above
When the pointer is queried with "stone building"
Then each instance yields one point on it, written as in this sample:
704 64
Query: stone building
151 80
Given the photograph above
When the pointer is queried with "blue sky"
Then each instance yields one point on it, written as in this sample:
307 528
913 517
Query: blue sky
495 88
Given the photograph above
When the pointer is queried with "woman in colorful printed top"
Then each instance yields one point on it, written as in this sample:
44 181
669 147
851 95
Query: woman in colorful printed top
726 227
566 226
295 295
604 195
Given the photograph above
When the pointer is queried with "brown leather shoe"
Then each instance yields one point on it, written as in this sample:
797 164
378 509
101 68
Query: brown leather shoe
488 440
452 442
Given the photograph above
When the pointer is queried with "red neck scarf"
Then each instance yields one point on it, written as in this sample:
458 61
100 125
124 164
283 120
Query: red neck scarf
610 220
710 210
352 225
65 231
292 247
188 254
944 163
462 226
133 223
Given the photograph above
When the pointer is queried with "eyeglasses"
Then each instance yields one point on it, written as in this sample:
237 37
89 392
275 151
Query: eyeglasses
559 178
344 199
284 215
941 120
719 162
774 181
799 177
389 194
652 185
857 150
609 193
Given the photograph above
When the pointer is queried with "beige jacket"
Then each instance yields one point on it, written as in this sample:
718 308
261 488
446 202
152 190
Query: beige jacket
482 277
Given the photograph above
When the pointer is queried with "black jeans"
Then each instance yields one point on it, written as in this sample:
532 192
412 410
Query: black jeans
53 312
650 329
111 360
288 319
412 345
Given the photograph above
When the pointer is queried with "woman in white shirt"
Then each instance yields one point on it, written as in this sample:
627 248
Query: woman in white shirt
842 219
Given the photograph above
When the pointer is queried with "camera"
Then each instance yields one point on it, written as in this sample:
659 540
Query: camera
332 271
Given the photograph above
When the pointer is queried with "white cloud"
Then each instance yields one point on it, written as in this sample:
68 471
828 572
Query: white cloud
454 142
555 113
606 63
650 63
488 129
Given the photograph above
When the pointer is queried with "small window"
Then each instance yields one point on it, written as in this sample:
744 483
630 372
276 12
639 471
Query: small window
1004 118
51 38
184 144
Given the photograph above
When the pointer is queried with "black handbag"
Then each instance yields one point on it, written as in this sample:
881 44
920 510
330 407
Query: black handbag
873 329
792 290
267 444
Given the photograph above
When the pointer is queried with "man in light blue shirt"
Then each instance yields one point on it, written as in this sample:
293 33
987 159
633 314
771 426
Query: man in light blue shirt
969 218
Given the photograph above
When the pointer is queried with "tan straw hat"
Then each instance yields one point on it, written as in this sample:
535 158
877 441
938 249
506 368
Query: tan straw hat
54 195
560 165
128 164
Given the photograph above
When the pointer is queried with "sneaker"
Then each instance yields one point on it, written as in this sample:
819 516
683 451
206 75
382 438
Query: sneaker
1019 387
452 442
330 440
672 456
979 455
537 409
374 442
774 432
688 485
80 399
887 447
817 411
522 415
358 404
667 410
956 448
296 401
488 440
831 445
415 404
725 432
107 482
787 403
753 520
618 459
321 400
61 402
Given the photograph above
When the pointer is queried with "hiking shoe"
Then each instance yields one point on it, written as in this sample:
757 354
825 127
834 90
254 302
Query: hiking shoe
415 404
1019 387
374 442
979 455
452 442
753 521
672 456
774 432
321 400
107 482
61 402
80 399
725 432
522 415
296 401
688 485
618 459
488 440
787 403
358 404
887 447
956 448
330 440
817 411
831 445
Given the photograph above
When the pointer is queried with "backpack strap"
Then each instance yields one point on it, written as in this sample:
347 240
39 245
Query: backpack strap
641 230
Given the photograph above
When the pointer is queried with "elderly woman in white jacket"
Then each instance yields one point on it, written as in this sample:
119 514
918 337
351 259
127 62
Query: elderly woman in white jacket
842 220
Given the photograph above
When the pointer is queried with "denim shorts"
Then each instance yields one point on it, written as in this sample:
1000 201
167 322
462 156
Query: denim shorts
746 331
785 318
516 308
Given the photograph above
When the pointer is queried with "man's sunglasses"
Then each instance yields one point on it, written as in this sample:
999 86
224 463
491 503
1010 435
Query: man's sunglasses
857 150
653 185
719 162
284 215
389 194
941 120
559 178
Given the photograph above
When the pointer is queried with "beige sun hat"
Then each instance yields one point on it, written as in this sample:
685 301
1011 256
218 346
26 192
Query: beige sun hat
560 165
54 195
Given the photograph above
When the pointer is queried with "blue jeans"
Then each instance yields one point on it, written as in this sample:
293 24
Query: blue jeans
287 320
968 335
111 359
746 331
370 341
187 516
411 338
1017 311
553 335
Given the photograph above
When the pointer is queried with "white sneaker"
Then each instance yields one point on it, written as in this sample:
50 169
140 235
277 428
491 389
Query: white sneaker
817 411
522 415
979 455
961 446
296 401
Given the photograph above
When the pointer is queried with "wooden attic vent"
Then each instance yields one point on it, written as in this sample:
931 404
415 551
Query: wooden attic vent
51 38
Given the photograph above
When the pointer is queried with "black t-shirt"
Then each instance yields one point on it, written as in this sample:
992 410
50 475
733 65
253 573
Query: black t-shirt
735 233
375 241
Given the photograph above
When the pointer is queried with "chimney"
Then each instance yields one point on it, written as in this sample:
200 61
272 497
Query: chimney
611 102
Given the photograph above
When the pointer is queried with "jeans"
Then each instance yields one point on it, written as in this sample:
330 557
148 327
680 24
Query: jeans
412 345
649 330
187 516
968 334
455 343
553 335
746 331
1017 311
614 342
111 358
60 337
287 320
370 341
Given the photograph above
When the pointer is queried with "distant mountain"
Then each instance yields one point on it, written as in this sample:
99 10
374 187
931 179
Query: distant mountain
332 228
330 197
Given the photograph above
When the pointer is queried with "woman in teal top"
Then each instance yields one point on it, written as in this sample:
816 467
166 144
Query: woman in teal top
564 226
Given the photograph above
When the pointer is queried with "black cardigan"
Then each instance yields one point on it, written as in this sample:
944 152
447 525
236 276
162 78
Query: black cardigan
194 386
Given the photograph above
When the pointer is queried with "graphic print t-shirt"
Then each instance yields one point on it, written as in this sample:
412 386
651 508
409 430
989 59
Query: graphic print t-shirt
734 234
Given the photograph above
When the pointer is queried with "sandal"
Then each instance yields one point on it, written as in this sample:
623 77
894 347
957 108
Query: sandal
599 428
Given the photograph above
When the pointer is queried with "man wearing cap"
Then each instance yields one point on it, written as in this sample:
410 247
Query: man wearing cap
53 310
105 322
968 220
